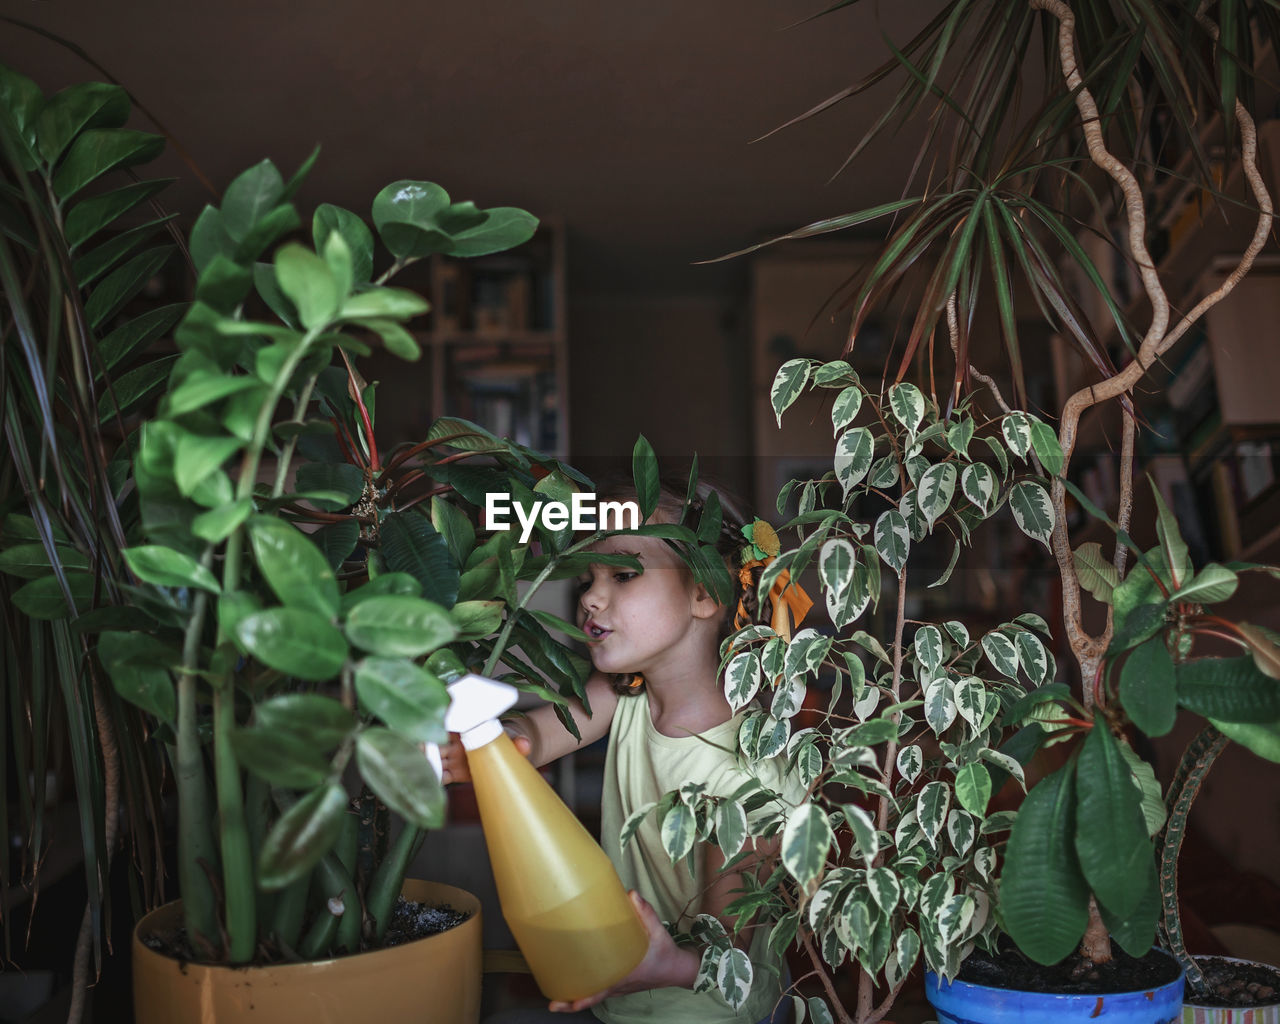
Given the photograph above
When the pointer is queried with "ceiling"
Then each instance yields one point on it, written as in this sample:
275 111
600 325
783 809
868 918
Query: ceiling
632 122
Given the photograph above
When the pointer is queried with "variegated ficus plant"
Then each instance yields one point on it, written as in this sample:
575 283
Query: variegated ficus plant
891 856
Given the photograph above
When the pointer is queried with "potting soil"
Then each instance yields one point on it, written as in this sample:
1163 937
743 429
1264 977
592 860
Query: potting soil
411 920
1235 984
1072 976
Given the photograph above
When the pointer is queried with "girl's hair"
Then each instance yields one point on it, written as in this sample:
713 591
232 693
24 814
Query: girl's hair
730 543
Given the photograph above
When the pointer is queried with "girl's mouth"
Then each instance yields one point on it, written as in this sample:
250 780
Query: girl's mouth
594 630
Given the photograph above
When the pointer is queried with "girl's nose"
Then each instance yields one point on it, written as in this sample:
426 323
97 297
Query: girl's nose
591 599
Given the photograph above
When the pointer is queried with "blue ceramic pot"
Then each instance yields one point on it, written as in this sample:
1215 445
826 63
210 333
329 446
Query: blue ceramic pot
960 1002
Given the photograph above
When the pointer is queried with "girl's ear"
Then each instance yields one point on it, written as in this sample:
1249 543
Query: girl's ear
702 604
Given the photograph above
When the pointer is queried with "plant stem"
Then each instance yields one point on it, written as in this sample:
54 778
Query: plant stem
238 877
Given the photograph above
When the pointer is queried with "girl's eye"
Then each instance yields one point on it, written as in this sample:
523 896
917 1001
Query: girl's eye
623 577
582 586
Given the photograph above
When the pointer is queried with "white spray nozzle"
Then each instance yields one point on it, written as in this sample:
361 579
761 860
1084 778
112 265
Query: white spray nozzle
475 703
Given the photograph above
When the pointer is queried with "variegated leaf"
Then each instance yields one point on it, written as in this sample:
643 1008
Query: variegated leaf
1001 653
907 404
866 841
961 830
1009 764
928 647
971 701
805 652
1095 571
805 842
984 861
1016 428
854 452
679 828
774 733
845 409
788 697
978 484
884 472
835 565
937 890
959 434
906 951
937 486
808 764
884 888
865 706
854 922
1032 510
634 820
932 807
917 525
939 704
957 913
958 632
708 968
788 384
819 1011
731 827
734 977
892 539
910 761
908 833
741 679
773 659
1032 657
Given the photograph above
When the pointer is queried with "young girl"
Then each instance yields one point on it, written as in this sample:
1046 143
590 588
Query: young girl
656 693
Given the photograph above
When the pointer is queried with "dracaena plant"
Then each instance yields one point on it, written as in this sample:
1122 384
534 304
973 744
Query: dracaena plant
891 857
77 248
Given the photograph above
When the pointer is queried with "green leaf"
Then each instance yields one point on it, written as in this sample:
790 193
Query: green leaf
1210 585
336 541
409 699
1147 687
504 228
123 283
477 619
1136 932
288 758
1045 442
1097 575
294 641
788 384
741 679
209 238
134 335
329 219
307 280
398 341
405 215
272 226
305 833
396 770
253 194
1044 899
89 216
644 475
383 303
99 150
1171 542
399 627
166 567
973 788
204 388
1228 690
411 544
806 839
731 827
1261 738
138 665
1032 510
1144 778
454 526
321 720
31 561
295 569
1111 836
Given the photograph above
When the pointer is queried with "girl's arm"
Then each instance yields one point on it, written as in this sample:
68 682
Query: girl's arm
726 886
549 740
540 736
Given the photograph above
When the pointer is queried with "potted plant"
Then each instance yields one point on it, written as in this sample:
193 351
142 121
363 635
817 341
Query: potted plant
282 579
1006 212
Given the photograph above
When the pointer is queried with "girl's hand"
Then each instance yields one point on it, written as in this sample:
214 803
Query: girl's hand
453 758
664 965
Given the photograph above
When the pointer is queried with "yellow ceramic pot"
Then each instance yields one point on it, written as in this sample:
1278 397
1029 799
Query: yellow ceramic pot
435 980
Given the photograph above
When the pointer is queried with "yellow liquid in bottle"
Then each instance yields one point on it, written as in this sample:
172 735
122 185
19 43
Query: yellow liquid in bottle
560 894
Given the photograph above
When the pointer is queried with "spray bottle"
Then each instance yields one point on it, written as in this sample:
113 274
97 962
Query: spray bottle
559 892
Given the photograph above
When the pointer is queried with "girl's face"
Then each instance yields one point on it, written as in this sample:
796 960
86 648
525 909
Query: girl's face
641 622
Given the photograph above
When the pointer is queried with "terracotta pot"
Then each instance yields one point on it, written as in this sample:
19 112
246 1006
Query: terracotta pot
1269 1014
435 980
